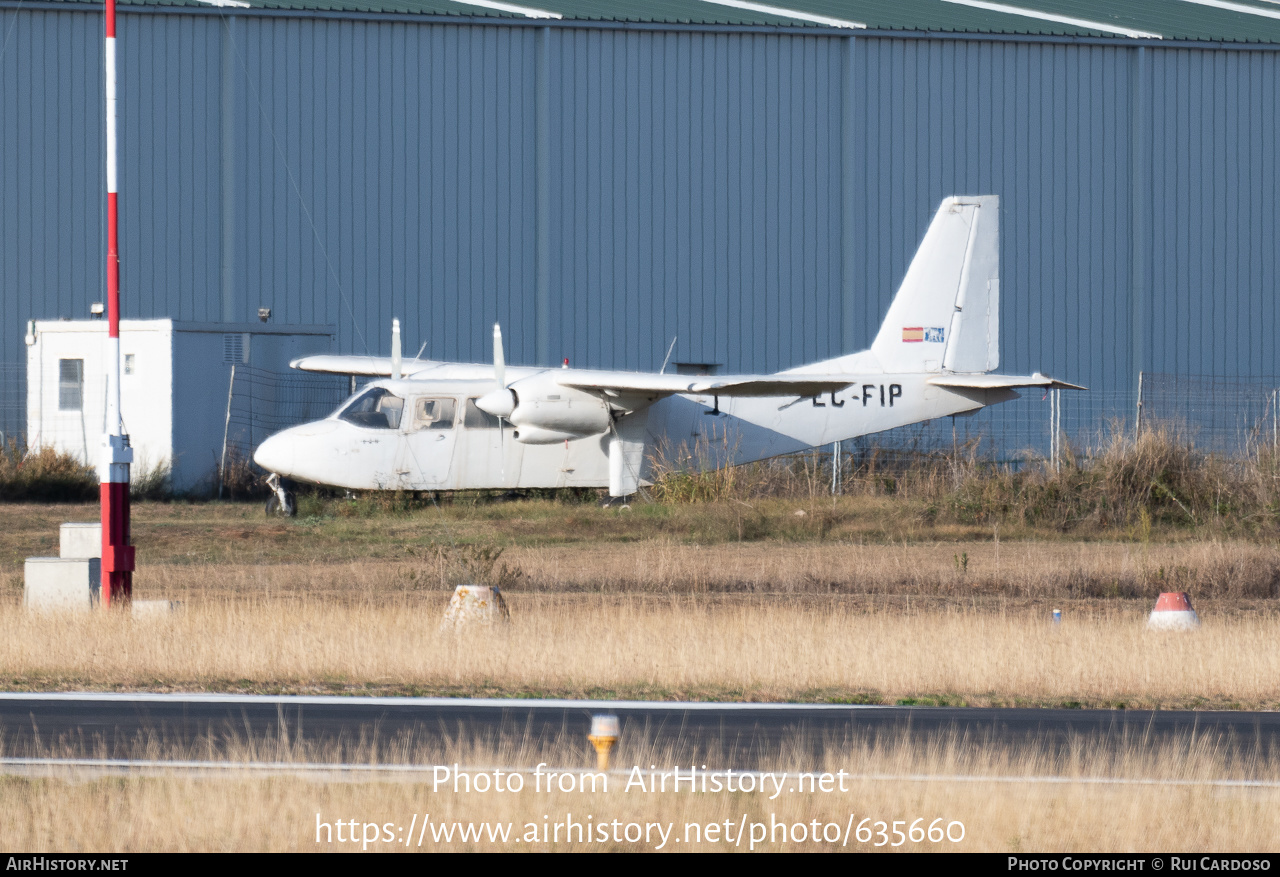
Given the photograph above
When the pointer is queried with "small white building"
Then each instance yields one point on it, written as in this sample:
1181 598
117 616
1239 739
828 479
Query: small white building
176 389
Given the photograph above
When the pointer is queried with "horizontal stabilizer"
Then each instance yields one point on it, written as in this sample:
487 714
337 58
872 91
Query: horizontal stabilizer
1001 382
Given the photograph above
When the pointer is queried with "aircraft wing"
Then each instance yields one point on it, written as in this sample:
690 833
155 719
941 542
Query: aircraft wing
369 366
1001 382
613 383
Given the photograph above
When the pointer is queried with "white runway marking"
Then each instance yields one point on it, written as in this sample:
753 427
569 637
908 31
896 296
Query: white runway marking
339 700
349 772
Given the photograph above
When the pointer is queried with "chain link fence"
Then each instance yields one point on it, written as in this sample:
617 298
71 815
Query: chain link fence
1230 418
13 403
262 402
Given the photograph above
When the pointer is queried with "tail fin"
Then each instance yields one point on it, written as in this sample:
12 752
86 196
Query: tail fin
946 315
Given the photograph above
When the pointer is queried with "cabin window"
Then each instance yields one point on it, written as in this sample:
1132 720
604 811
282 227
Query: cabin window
474 418
71 385
433 414
377 408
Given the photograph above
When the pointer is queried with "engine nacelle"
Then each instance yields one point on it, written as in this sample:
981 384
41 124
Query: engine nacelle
536 435
552 408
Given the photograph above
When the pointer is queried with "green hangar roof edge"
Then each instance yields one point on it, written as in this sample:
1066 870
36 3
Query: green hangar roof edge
1218 21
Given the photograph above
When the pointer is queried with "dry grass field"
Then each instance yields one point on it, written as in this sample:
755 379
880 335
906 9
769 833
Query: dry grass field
1134 799
769 648
867 599
352 604
214 550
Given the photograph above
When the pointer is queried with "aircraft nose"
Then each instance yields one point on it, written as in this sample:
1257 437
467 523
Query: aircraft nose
275 454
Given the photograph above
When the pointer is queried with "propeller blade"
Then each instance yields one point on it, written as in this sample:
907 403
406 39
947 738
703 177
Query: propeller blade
501 402
499 361
395 350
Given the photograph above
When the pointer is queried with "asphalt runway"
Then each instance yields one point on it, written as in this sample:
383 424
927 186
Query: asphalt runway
734 735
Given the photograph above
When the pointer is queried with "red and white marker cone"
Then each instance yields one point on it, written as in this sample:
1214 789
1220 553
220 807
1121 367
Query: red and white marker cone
1173 612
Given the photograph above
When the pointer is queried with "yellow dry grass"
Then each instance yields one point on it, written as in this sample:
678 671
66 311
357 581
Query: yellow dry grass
723 647
1213 570
1073 570
939 622
1001 797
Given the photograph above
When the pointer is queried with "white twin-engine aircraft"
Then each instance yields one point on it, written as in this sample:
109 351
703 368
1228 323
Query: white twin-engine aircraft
429 425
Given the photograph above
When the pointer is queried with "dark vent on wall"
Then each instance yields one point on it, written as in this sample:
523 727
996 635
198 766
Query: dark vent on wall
235 348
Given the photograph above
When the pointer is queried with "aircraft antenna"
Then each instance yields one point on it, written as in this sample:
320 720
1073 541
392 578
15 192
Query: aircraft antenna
668 357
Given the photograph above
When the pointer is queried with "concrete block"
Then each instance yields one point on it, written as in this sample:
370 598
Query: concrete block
61 584
80 540
474 604
154 608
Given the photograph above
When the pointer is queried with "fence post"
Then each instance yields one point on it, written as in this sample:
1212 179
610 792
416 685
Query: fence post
1274 429
226 428
835 469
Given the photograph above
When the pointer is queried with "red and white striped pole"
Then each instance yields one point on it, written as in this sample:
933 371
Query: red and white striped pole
113 465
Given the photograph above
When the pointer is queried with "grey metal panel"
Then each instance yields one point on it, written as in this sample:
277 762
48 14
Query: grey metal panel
693 181
1215 128
47 222
758 195
388 174
170 201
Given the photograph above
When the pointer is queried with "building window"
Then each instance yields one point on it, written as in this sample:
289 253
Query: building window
71 385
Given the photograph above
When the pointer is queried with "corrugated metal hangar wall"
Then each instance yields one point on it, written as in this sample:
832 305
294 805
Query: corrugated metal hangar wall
756 192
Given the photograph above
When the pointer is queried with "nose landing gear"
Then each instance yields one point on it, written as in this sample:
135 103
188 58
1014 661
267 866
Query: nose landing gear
281 501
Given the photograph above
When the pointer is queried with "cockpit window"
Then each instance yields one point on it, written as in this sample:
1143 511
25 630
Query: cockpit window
433 413
376 408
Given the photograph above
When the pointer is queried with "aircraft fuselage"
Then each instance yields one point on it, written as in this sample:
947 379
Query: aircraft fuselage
427 434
